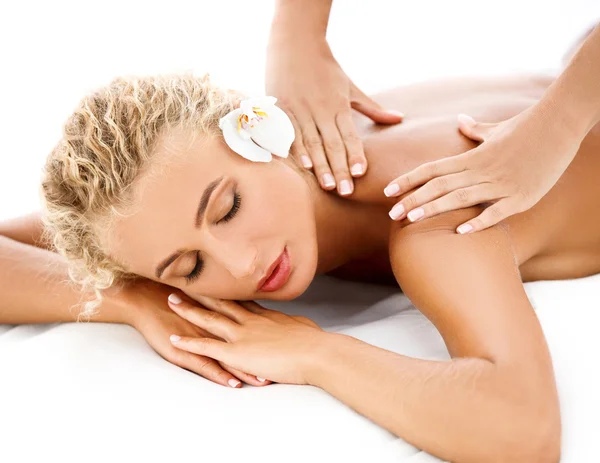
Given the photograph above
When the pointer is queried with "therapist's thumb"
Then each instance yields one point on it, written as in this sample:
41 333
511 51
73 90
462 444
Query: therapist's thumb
476 131
374 111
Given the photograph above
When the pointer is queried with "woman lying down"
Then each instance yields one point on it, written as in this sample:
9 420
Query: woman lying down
162 187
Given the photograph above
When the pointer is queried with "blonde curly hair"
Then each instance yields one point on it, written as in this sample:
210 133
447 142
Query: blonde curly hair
106 143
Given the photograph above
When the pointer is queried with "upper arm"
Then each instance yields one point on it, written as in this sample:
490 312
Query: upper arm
469 286
26 229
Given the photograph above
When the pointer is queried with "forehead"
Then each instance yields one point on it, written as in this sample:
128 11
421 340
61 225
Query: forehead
165 197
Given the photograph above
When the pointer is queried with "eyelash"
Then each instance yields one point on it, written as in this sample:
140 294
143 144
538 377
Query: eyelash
195 273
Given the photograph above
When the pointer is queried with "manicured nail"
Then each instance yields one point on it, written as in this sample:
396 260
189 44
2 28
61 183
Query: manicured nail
466 119
356 169
395 113
345 187
306 161
464 228
416 214
233 383
174 338
328 180
174 298
262 380
391 189
396 211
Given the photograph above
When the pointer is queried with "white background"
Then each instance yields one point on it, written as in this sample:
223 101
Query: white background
54 52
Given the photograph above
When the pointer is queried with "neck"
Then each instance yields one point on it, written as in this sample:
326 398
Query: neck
346 229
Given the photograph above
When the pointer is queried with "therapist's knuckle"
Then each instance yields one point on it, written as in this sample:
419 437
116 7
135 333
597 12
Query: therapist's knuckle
440 184
333 146
351 137
410 202
496 212
313 142
462 196
431 169
212 317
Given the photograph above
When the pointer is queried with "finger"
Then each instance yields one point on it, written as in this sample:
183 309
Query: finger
297 149
214 322
246 377
207 347
374 111
492 215
253 307
206 367
457 199
231 309
354 147
424 173
432 190
313 143
476 131
336 155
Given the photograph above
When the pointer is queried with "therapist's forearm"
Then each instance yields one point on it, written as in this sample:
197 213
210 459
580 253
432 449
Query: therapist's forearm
304 20
462 410
575 94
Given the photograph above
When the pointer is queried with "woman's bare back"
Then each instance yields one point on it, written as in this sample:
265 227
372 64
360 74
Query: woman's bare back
559 238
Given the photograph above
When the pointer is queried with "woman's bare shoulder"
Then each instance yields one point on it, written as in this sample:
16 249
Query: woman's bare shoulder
430 130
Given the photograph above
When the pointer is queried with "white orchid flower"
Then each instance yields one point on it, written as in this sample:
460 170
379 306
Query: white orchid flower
258 129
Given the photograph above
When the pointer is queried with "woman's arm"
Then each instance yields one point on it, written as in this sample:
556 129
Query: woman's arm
520 159
35 283
36 288
496 399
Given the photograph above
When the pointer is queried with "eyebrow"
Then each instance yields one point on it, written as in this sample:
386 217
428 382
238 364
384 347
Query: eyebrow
212 186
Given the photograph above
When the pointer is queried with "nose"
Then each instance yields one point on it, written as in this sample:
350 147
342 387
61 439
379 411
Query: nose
239 259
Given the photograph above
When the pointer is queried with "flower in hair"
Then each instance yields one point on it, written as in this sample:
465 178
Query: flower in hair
258 129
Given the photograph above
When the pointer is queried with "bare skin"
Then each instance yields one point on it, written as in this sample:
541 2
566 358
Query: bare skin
469 286
557 239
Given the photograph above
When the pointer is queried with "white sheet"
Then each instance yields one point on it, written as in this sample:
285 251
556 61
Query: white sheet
98 392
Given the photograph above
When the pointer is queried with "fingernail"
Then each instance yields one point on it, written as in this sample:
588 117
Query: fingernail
174 338
306 161
391 189
464 228
174 298
328 180
395 113
233 383
396 211
356 169
345 187
466 119
262 380
416 214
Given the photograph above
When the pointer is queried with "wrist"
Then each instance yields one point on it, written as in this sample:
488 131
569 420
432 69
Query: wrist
562 118
301 23
117 306
323 354
572 109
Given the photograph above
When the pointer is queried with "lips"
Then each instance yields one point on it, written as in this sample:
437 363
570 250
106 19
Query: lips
277 274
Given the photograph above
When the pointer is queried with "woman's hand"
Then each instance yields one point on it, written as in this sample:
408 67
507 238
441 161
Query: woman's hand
318 96
151 316
264 342
519 161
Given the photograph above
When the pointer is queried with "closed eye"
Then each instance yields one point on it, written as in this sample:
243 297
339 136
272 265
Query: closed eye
195 273
237 199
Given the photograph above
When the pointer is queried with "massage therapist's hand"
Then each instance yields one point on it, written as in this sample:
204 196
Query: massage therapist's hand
263 342
318 97
519 161
156 322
